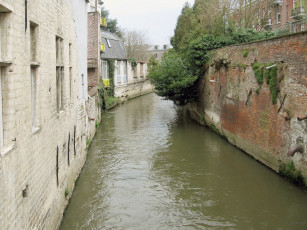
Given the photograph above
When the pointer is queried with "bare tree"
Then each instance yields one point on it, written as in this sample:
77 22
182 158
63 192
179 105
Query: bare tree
136 44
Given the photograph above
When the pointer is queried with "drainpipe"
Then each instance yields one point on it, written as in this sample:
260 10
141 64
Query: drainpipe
293 150
26 14
302 118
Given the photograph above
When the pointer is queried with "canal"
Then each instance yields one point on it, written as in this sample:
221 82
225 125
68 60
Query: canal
151 167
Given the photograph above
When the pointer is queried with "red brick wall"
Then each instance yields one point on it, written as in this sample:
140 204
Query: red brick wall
228 99
93 48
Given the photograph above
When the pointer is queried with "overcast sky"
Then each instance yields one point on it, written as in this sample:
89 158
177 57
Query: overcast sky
157 17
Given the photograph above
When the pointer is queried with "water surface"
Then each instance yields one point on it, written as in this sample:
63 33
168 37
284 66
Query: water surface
151 167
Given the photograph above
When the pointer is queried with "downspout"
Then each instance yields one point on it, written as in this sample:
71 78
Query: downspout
26 15
302 118
293 150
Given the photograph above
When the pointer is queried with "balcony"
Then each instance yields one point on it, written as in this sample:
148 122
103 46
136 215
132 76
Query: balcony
298 13
268 24
277 3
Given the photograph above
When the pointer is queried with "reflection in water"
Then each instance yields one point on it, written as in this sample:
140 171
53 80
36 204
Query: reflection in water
150 167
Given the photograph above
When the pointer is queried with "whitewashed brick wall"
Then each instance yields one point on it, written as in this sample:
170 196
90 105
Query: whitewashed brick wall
28 159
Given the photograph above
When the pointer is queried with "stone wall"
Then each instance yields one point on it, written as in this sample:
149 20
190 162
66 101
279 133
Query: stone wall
45 121
233 102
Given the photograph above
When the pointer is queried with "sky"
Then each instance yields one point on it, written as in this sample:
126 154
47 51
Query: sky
157 18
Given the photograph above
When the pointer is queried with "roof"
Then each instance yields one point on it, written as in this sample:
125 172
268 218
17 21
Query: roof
114 47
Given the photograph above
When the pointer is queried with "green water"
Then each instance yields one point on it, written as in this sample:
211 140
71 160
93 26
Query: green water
151 167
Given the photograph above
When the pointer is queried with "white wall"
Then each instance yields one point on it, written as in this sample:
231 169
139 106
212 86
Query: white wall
80 17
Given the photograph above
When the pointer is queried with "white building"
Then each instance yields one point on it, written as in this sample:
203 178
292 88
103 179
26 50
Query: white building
43 117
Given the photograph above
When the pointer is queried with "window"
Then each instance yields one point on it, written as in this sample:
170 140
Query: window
270 19
70 73
59 74
141 70
5 33
34 95
294 4
33 41
118 72
1 110
135 71
5 39
278 15
125 72
164 47
105 70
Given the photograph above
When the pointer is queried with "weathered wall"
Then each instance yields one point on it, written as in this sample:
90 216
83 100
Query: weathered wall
39 163
232 100
138 84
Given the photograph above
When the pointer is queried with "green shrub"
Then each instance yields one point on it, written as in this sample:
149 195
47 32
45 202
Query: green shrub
174 77
267 75
173 80
245 53
258 70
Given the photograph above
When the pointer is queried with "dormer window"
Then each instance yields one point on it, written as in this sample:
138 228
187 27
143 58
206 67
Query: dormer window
109 43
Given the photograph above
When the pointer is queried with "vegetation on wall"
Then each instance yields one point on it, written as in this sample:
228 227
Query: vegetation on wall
106 94
200 30
291 173
133 63
270 76
111 69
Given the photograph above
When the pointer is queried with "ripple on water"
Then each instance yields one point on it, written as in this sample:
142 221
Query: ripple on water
150 167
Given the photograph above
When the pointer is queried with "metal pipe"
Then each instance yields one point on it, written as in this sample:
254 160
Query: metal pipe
293 150
302 118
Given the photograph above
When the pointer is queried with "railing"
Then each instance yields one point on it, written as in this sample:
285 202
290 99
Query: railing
291 27
298 12
278 2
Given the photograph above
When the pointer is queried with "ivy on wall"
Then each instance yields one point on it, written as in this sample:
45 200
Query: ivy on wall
269 75
111 69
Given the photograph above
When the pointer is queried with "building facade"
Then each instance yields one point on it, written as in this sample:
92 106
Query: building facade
43 118
157 51
279 16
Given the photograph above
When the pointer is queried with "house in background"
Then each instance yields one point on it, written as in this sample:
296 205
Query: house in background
158 51
128 82
113 48
279 16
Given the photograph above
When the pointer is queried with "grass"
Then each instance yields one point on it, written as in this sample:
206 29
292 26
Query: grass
245 53
110 101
